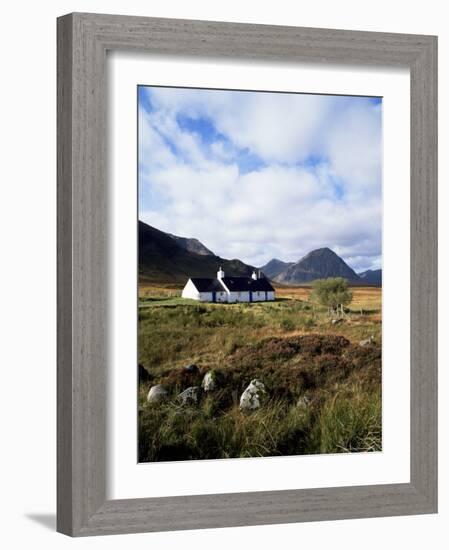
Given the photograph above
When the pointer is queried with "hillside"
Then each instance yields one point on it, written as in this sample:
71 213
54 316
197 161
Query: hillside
274 267
164 259
372 277
318 264
192 245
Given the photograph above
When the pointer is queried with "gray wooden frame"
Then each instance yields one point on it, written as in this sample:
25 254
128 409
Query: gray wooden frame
83 40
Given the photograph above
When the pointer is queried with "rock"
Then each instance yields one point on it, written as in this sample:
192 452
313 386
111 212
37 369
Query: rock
157 393
254 396
191 369
303 402
367 342
209 382
190 396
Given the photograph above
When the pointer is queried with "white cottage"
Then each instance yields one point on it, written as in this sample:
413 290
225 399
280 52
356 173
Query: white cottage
229 289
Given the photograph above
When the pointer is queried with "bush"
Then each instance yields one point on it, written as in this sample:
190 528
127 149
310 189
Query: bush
307 322
332 293
287 324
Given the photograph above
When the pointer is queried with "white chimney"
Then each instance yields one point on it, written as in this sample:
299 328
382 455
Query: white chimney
254 276
220 274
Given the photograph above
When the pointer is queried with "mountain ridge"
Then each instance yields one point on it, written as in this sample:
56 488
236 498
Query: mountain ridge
371 276
320 263
170 259
274 267
163 259
192 245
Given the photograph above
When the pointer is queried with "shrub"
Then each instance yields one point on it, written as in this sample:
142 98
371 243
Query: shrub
307 322
332 293
287 324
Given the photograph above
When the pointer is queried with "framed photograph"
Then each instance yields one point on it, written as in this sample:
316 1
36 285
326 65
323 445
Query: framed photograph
247 274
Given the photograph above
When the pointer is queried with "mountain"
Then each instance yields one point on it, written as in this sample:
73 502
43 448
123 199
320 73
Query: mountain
192 245
372 277
274 267
170 259
318 264
164 259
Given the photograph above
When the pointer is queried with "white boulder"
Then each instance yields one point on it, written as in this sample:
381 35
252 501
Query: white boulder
190 396
367 342
254 396
209 382
303 402
157 393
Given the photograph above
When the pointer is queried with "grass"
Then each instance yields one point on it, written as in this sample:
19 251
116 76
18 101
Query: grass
289 344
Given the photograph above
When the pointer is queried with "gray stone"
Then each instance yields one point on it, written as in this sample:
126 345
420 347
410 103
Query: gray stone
367 342
157 393
254 396
303 402
190 396
209 382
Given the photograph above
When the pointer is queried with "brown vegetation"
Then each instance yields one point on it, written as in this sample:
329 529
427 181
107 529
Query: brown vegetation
291 345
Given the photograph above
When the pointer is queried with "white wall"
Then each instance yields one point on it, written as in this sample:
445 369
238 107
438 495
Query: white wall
221 296
27 219
190 291
238 297
259 296
242 296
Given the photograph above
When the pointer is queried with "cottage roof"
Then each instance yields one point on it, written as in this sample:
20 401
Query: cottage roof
239 284
206 285
261 284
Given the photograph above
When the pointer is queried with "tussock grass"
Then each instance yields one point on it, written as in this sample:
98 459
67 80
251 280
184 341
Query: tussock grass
339 424
197 433
349 423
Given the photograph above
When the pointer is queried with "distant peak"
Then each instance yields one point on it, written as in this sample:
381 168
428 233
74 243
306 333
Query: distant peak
321 252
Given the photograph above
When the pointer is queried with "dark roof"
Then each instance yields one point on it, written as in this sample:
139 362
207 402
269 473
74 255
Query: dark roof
206 285
261 284
239 284
235 284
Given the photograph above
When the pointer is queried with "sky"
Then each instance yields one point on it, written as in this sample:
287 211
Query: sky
256 175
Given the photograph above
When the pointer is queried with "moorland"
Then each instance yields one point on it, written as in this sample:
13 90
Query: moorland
322 375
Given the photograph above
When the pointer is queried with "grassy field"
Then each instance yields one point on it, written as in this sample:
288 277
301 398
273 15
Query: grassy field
324 389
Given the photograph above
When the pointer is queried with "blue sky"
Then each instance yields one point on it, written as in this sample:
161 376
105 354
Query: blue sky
256 175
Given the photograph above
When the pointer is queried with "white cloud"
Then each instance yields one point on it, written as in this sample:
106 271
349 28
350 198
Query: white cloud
284 208
353 145
277 127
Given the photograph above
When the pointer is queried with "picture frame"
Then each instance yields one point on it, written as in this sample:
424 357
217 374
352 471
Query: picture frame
83 41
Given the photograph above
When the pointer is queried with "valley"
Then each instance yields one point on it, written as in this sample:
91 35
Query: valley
316 376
